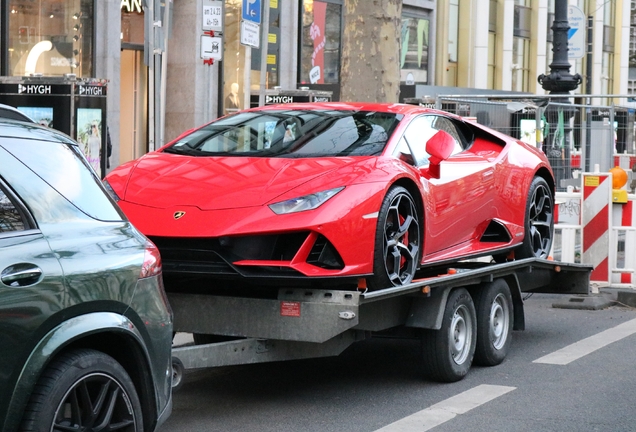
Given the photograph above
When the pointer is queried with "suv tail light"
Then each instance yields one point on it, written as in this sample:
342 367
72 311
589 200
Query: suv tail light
152 261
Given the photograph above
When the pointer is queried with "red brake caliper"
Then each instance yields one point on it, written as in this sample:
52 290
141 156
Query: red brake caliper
405 240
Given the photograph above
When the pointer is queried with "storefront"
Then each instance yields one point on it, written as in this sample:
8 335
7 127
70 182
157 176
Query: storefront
133 119
47 37
104 39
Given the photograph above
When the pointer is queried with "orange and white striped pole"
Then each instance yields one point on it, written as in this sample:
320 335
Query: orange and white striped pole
596 217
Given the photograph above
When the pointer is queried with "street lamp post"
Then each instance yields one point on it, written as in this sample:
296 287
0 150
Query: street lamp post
559 82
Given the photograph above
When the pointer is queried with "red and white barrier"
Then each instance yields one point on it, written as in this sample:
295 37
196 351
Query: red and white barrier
623 244
596 216
591 229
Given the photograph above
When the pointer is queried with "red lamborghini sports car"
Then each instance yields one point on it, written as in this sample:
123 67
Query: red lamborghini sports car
336 193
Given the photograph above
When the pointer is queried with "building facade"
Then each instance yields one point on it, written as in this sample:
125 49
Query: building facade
489 45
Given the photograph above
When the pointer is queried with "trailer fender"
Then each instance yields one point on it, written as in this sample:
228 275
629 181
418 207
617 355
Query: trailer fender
427 312
517 302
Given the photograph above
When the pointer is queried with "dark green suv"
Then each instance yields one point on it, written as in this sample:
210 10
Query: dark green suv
85 326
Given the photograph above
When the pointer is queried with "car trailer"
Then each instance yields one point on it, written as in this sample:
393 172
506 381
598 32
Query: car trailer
462 312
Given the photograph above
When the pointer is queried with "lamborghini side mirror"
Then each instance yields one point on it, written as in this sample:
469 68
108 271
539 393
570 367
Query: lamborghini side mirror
440 146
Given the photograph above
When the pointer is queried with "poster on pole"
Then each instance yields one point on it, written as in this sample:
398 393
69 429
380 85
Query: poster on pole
576 33
212 15
250 33
212 47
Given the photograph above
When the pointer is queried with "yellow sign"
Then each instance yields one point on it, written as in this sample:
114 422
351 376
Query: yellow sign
592 181
271 59
271 38
273 4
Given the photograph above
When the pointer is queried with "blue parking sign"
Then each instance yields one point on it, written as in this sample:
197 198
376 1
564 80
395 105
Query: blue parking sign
252 11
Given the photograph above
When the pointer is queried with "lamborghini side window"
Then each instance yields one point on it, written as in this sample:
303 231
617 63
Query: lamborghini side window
10 218
293 133
448 125
420 130
414 140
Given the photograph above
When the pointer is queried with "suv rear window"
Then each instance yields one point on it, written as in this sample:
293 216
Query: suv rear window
69 175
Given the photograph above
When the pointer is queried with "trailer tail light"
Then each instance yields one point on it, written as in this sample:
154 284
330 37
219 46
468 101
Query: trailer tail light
152 261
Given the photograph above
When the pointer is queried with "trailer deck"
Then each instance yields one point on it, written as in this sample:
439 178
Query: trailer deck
308 323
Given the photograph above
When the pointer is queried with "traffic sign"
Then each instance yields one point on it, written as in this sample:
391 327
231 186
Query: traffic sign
252 11
576 33
211 47
249 34
213 15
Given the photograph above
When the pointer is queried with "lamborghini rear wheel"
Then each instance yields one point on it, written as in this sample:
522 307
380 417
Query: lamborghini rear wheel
539 223
397 241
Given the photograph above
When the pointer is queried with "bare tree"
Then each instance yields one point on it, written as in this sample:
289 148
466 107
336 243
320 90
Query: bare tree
371 51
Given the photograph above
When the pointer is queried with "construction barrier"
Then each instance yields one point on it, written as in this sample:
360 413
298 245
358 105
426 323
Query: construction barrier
592 229
596 219
623 244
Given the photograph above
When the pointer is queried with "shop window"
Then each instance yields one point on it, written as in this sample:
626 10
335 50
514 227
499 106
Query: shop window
50 37
492 60
522 21
236 58
521 64
320 42
273 46
607 75
492 16
414 49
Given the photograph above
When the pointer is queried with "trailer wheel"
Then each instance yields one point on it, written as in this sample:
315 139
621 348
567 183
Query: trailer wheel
397 241
448 353
493 303
178 370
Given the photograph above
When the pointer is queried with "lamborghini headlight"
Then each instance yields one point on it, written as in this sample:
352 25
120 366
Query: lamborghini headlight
307 202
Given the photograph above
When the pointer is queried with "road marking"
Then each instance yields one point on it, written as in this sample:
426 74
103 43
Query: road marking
446 410
588 345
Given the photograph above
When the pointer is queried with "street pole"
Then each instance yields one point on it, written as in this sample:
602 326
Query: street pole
559 82
588 90
264 51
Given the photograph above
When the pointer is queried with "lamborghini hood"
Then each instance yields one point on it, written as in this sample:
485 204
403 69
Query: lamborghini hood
163 180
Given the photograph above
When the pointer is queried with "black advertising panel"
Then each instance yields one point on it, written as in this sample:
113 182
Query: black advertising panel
75 106
90 124
276 96
47 104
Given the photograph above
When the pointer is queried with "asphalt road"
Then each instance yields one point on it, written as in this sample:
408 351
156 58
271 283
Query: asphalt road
376 384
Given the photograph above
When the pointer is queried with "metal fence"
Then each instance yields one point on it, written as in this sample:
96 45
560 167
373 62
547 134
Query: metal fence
576 135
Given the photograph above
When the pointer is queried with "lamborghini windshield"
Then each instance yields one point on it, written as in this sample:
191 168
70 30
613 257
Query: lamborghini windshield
291 133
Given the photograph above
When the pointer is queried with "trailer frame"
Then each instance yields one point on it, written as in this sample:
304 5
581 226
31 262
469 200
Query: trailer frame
309 323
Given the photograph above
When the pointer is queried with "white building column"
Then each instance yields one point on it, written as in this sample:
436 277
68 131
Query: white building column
623 51
507 39
597 50
540 34
479 62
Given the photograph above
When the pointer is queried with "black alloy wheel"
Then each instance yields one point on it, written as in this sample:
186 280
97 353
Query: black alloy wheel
397 241
539 223
84 390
